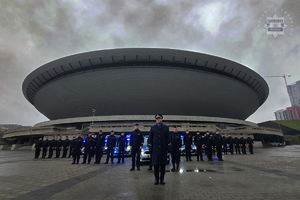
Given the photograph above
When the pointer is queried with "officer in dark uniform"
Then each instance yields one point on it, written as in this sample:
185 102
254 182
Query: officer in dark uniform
94 146
72 143
198 141
58 147
77 149
176 144
52 147
243 144
38 147
230 143
66 145
100 141
187 141
159 143
218 143
250 144
136 144
88 149
236 143
224 143
111 144
213 144
45 147
208 145
122 144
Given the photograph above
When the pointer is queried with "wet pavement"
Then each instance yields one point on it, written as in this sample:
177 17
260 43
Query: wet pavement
270 173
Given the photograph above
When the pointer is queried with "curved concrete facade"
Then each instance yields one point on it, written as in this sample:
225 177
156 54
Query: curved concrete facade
143 81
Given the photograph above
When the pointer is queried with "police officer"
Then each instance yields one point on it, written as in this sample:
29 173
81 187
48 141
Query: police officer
218 143
136 144
72 143
58 147
38 147
111 144
187 141
236 143
100 140
243 144
224 143
208 145
122 144
213 144
66 145
45 147
88 149
176 143
52 147
198 141
250 144
230 143
94 146
159 142
77 149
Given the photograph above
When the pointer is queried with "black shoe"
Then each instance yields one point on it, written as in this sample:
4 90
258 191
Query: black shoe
162 182
106 163
191 160
83 163
118 162
202 160
112 162
138 169
210 160
96 163
132 169
221 160
156 183
173 170
72 163
149 169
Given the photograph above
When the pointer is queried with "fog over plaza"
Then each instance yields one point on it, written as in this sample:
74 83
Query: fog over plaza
36 32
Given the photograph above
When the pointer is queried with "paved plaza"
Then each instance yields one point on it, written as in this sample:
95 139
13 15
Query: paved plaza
270 173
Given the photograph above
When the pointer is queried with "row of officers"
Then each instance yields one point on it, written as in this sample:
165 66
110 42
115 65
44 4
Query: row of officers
94 145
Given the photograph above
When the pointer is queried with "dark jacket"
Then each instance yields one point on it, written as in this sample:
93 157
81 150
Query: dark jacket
176 141
242 141
78 143
136 138
208 140
159 142
224 141
198 140
88 142
111 141
52 144
229 140
249 141
122 142
100 140
218 139
236 141
187 139
66 143
58 143
46 144
72 143
39 144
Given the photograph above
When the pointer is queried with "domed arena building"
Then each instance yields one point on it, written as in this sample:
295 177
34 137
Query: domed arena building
114 89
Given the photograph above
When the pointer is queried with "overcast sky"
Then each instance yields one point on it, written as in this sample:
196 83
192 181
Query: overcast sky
35 32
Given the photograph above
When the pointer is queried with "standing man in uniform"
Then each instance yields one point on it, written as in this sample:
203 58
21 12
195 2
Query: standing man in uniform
230 142
136 145
122 144
218 143
236 143
250 144
58 147
38 147
198 141
71 152
224 143
111 144
208 145
45 147
66 145
213 144
159 142
52 147
176 144
100 140
88 149
243 144
77 149
187 141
